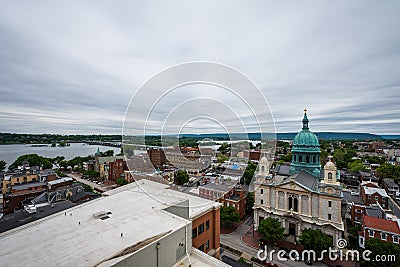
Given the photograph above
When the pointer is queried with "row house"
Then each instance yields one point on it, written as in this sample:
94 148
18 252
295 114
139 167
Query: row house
379 228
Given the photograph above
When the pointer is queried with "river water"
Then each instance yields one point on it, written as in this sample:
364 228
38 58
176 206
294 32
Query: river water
9 153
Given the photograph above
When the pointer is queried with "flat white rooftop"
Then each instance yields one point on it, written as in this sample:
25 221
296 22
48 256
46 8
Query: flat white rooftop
90 233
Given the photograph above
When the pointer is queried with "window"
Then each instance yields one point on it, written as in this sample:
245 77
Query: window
262 168
290 203
329 176
201 248
208 244
383 236
296 204
329 217
201 228
308 159
194 232
262 202
207 224
261 191
395 239
376 198
371 233
330 204
300 158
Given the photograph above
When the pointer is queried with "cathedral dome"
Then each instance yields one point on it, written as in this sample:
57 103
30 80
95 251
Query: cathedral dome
306 138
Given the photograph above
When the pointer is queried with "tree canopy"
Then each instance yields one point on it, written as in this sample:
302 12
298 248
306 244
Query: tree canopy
121 181
3 165
229 215
315 240
389 171
356 166
271 229
224 148
248 173
379 247
182 177
34 160
249 202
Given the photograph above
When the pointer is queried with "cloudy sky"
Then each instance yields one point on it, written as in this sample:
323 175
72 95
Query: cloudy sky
73 66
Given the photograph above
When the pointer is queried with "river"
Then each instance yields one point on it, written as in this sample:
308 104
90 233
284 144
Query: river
9 153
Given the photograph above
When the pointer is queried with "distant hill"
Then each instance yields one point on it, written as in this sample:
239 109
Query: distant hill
290 136
391 137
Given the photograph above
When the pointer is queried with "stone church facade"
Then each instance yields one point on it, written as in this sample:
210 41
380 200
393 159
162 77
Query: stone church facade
303 196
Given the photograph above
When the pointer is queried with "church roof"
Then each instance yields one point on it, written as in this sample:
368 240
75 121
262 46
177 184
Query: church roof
304 178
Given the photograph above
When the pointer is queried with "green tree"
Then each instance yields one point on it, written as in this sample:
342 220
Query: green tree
229 215
286 158
224 148
34 160
356 166
248 173
3 165
315 240
249 202
389 171
182 177
222 158
87 188
121 181
271 229
378 247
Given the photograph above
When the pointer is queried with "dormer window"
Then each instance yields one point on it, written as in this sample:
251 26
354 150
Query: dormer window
383 236
371 233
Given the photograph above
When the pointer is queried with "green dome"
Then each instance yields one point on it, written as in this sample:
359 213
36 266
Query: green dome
305 151
306 138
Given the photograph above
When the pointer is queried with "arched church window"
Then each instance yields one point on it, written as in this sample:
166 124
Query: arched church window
329 175
295 204
263 168
290 203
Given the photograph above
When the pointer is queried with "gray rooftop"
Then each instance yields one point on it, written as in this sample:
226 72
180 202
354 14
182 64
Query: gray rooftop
374 211
27 185
217 187
390 182
304 178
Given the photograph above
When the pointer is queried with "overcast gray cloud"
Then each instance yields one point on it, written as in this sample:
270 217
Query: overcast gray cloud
72 67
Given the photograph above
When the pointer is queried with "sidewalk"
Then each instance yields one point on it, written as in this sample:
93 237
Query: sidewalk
251 238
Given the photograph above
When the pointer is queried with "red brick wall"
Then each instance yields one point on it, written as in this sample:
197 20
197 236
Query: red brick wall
211 234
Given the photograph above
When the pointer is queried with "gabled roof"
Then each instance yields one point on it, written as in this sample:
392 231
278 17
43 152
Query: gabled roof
304 179
381 224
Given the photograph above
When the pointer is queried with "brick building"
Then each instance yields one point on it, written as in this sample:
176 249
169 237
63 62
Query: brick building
157 157
227 195
382 229
374 195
